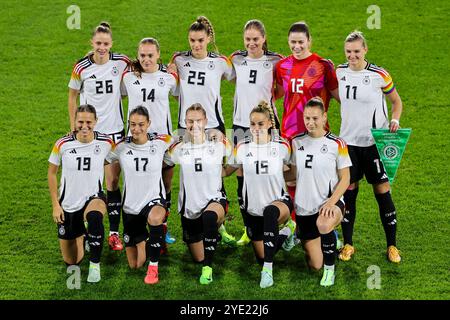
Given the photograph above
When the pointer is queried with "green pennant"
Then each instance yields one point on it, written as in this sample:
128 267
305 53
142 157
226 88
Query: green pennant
391 146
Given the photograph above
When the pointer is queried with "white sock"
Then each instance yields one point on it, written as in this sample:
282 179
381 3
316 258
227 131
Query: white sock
325 267
268 265
94 264
153 263
286 231
113 232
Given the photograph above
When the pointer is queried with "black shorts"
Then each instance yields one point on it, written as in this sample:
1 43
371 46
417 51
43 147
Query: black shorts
255 224
366 162
117 136
240 133
73 225
307 225
193 228
135 225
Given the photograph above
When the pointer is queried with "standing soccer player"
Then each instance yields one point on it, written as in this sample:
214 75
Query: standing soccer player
201 202
254 69
200 75
363 87
266 203
141 159
300 77
82 157
148 84
96 80
321 163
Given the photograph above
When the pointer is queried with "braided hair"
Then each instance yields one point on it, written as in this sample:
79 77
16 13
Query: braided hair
203 24
265 108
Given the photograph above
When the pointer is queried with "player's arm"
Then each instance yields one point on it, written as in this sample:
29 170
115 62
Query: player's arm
335 94
291 173
73 96
344 181
58 214
228 170
397 107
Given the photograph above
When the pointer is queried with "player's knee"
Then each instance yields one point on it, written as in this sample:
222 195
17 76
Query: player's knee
95 222
156 218
381 188
324 226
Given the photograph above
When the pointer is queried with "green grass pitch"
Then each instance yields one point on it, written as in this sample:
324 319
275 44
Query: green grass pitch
37 55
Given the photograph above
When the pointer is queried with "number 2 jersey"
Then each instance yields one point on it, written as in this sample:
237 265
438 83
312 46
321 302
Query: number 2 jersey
99 85
82 168
318 161
363 102
142 170
200 173
263 172
254 83
200 81
151 90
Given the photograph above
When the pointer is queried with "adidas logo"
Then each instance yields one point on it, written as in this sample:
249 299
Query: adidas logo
187 64
343 78
249 154
244 63
73 151
186 153
269 244
93 77
384 176
130 152
113 213
136 82
301 148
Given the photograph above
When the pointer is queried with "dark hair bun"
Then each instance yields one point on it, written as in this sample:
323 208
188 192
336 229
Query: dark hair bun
105 24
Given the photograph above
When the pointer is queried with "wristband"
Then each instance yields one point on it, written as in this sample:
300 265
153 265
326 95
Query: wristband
396 121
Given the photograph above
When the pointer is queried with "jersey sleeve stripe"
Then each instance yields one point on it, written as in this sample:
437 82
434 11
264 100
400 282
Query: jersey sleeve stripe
342 146
118 56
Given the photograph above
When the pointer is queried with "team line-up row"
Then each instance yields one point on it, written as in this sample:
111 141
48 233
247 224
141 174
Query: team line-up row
319 171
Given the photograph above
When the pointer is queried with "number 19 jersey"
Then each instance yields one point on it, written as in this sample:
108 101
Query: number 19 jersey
82 168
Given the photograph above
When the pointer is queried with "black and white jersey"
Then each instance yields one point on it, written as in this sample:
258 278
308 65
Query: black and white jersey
363 102
199 82
99 85
254 83
151 90
142 170
82 168
200 173
262 165
318 161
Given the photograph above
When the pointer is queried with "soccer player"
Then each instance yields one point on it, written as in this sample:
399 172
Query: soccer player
82 157
254 68
147 83
96 80
300 77
141 159
267 205
321 163
201 202
200 74
363 87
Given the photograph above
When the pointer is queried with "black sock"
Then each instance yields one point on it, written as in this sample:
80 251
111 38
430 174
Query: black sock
271 214
169 199
349 215
210 232
114 208
155 242
95 234
388 216
240 181
328 242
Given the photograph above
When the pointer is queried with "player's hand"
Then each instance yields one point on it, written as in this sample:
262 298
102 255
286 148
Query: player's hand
58 215
329 210
172 68
394 125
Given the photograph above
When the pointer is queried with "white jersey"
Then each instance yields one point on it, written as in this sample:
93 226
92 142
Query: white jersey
200 81
200 174
82 168
363 104
263 172
99 85
142 170
318 161
254 83
151 90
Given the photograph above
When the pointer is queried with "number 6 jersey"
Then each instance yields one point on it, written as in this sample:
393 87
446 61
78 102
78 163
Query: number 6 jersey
318 161
82 168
